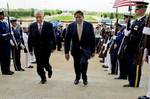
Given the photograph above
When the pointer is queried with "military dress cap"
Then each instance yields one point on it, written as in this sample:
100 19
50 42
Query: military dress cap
1 12
141 3
13 19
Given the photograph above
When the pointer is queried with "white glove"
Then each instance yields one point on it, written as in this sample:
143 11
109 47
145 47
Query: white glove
100 37
22 46
146 30
114 37
148 59
126 33
12 43
105 45
145 53
5 34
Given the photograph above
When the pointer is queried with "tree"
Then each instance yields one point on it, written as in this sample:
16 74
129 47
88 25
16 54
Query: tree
105 15
32 12
111 16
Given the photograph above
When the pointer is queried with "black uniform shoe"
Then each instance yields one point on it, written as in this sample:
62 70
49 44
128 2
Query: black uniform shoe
101 61
29 66
143 97
33 62
85 82
121 78
76 82
21 69
127 85
50 74
43 81
104 66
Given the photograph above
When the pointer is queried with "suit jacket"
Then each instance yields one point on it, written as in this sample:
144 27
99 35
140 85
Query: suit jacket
87 41
44 41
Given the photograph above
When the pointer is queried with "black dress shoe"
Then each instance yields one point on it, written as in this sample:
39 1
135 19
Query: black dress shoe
8 73
85 82
43 81
143 97
76 82
50 74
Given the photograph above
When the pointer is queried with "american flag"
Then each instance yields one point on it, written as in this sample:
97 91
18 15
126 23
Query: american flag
120 3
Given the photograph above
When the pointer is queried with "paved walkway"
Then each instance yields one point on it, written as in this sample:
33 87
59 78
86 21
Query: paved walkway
25 85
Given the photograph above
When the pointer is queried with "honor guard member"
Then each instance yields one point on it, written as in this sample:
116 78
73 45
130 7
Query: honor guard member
121 55
58 33
17 32
4 46
117 41
134 40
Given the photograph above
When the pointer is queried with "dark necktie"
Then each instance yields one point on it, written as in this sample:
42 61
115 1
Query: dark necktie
40 28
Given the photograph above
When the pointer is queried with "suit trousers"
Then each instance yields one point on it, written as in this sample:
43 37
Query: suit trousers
80 69
42 59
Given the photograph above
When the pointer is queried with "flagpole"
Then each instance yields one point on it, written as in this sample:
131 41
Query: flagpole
116 29
129 21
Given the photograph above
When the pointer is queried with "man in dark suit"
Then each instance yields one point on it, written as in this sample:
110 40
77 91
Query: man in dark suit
81 33
42 40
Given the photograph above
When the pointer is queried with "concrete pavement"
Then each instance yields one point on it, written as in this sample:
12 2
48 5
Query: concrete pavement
25 85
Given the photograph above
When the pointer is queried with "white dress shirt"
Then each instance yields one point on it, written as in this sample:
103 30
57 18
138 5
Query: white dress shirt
79 30
40 25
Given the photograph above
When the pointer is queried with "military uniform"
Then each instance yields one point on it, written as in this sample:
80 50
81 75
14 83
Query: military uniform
58 33
121 61
117 42
133 47
4 47
17 32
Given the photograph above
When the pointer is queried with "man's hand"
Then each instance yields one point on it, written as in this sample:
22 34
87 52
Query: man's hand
93 54
31 53
12 43
127 33
67 56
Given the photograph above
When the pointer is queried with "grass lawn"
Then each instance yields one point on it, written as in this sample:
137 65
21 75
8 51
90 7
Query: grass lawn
71 18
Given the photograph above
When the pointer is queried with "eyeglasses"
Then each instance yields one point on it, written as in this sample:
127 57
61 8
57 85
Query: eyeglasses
140 7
